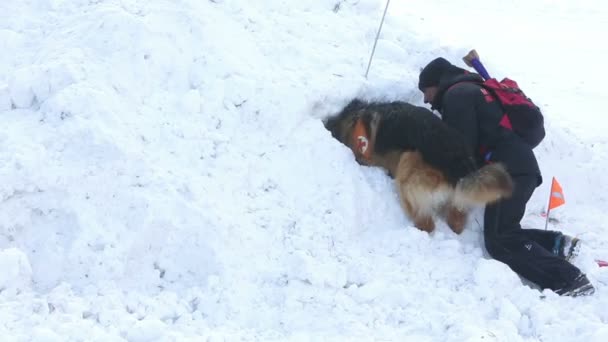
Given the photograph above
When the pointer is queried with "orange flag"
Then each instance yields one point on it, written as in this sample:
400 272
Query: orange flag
557 195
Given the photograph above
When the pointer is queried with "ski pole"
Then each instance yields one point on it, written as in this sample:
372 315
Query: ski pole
377 36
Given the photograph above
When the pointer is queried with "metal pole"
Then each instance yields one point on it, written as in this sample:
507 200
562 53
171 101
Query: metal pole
376 41
549 204
547 219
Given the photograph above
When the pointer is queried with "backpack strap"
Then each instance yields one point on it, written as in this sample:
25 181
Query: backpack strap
486 94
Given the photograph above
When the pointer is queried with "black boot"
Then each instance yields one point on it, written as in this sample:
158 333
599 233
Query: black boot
580 286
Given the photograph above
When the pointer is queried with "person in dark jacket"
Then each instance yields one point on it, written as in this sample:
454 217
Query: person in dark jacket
541 256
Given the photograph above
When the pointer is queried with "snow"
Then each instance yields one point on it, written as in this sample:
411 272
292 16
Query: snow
166 175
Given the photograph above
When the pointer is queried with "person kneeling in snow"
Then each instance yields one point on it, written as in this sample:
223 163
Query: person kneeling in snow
540 256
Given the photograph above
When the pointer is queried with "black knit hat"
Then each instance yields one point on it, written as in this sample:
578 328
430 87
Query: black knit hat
432 73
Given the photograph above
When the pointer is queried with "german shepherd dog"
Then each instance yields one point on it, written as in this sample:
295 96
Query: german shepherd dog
435 171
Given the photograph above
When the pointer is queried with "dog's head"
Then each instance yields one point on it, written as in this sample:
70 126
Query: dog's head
353 128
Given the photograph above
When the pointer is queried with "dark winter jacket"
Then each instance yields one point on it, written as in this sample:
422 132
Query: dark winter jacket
463 106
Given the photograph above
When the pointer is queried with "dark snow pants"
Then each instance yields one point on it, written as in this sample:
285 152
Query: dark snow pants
528 252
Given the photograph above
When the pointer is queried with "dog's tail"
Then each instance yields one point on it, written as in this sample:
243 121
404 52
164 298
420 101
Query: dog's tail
485 185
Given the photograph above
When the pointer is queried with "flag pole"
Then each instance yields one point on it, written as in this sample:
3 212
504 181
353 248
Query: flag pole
547 218
549 203
376 41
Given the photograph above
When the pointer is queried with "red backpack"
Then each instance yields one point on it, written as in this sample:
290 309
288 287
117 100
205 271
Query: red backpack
521 114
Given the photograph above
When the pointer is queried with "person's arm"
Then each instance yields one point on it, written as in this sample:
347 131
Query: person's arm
460 112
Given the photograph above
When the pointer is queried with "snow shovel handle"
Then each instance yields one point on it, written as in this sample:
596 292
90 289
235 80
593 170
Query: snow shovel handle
472 60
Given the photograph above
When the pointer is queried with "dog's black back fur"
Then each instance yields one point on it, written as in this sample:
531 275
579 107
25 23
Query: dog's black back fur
404 126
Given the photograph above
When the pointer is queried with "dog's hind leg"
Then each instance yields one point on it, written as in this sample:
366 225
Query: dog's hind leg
455 218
